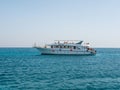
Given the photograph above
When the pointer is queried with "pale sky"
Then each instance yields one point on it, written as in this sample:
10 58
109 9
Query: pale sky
23 22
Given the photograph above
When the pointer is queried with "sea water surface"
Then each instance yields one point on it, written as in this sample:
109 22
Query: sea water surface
26 69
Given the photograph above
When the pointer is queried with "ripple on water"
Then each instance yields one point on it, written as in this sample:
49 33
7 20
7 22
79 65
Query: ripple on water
25 69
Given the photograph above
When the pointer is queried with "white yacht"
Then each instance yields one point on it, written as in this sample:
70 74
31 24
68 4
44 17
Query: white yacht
66 47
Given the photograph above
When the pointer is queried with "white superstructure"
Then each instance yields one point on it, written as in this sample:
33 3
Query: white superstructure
66 47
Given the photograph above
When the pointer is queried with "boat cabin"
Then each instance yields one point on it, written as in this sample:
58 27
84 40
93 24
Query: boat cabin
65 44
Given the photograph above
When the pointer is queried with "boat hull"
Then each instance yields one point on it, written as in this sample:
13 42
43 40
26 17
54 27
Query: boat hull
49 51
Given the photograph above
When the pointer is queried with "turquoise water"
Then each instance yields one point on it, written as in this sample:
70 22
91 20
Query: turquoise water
25 68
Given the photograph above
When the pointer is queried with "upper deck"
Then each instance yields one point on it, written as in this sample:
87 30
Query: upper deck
66 43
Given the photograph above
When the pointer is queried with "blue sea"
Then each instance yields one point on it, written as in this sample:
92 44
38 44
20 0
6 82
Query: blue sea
26 69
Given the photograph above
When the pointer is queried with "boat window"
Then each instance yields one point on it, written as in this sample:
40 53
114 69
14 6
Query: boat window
56 46
51 46
68 46
74 47
60 46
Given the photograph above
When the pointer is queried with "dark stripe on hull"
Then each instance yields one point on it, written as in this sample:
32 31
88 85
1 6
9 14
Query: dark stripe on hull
69 54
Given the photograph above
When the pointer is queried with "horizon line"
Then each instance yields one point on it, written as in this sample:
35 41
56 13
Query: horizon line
33 47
